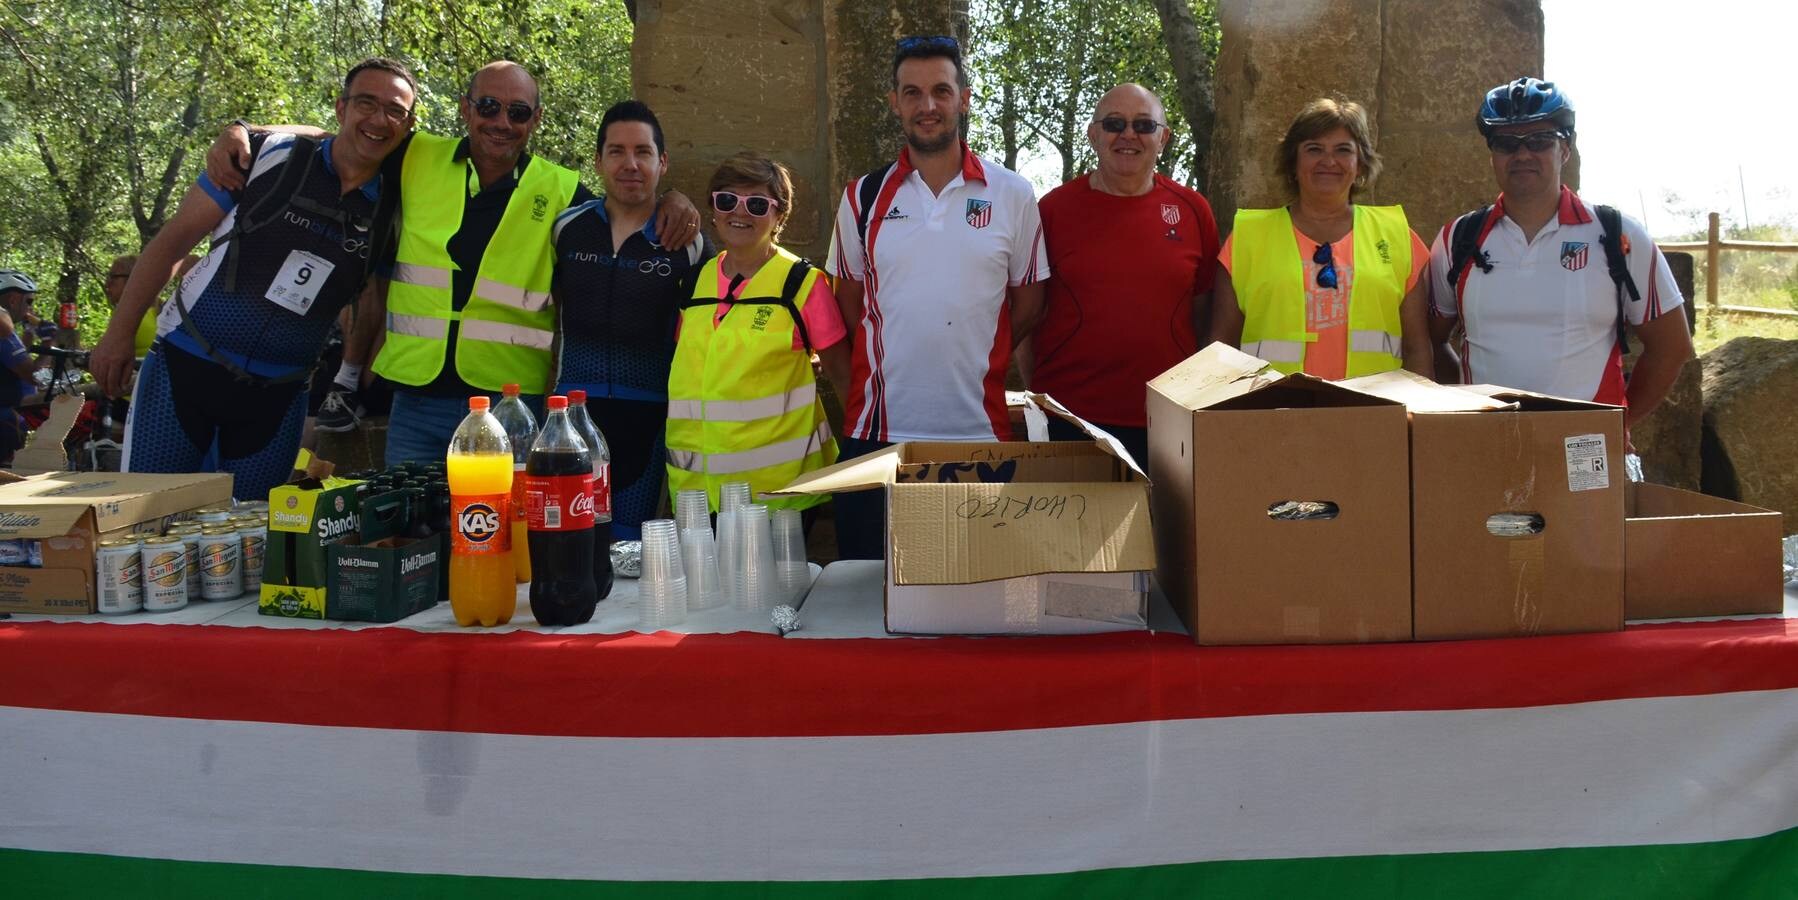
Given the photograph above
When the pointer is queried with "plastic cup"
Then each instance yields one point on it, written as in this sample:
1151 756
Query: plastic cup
664 603
662 589
699 552
760 584
691 510
791 571
734 495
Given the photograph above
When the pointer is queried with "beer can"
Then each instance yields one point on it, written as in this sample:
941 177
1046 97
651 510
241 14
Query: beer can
212 515
254 533
119 576
221 564
164 574
190 538
252 507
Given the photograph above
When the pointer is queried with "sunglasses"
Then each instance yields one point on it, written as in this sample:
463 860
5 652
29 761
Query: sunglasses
928 41
1325 257
1117 124
518 111
1537 141
754 204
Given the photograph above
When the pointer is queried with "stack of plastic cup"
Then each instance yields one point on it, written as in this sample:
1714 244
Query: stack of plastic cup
663 588
691 511
734 495
761 585
790 569
699 552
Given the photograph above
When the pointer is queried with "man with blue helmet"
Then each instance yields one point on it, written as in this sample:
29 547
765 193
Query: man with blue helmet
1538 290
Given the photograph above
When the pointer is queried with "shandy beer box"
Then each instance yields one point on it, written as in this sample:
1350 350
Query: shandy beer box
305 517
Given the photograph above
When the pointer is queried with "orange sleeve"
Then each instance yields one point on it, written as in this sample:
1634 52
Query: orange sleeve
1223 254
1420 260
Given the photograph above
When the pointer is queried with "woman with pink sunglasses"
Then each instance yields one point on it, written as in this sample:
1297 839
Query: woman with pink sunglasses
742 394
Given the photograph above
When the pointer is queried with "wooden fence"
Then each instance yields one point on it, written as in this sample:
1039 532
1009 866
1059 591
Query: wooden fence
1713 247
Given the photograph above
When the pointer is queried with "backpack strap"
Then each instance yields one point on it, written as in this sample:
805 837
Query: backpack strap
788 299
1464 245
1610 221
868 193
300 153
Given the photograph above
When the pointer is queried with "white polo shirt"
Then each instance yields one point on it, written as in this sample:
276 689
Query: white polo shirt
934 340
1545 318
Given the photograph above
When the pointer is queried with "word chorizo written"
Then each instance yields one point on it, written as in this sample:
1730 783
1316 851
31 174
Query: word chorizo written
1006 509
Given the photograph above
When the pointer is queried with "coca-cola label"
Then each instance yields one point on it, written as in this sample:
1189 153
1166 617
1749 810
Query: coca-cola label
559 502
479 524
602 492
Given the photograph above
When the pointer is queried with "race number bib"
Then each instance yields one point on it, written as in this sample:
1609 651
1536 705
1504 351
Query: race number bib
297 285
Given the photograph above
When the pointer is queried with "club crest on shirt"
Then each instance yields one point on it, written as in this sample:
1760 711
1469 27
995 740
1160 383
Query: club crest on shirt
1573 255
980 213
1170 213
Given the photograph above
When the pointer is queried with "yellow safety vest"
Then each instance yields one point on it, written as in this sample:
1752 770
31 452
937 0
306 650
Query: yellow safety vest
508 325
1269 279
742 403
146 333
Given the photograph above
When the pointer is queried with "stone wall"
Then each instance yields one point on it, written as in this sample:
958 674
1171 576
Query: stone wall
1419 67
803 81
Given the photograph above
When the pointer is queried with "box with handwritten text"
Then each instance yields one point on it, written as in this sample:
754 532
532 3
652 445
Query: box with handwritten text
1016 537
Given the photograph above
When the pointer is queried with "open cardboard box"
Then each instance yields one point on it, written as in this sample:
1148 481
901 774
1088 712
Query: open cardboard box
1689 555
1481 451
1027 537
1230 440
68 512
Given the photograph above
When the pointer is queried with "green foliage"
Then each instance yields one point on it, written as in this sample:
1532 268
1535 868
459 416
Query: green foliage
107 106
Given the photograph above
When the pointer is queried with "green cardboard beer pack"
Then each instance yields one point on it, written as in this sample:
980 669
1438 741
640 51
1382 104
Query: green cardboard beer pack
380 575
305 517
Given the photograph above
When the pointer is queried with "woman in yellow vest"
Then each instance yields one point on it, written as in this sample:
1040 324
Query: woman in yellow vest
742 396
1325 285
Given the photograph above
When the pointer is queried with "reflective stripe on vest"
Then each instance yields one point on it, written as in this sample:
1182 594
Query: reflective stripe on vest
507 326
1269 274
743 403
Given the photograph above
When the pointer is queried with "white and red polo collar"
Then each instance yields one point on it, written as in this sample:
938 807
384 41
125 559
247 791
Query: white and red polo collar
1572 210
971 169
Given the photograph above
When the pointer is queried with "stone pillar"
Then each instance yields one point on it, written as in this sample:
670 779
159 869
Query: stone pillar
803 81
1419 67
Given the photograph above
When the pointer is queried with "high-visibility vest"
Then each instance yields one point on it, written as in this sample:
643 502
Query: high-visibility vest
742 403
508 325
1269 278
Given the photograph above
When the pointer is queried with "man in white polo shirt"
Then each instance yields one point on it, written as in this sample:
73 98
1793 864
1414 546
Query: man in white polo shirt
938 265
1523 293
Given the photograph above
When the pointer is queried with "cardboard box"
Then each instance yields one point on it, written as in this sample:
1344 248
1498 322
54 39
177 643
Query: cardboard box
1482 451
1008 538
68 512
1230 440
305 516
1690 555
379 574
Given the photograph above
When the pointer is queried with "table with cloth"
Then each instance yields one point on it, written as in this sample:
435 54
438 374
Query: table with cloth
213 752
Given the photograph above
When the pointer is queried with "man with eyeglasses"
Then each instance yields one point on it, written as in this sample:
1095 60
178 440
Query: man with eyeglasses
1525 293
618 292
1133 253
938 267
467 310
291 246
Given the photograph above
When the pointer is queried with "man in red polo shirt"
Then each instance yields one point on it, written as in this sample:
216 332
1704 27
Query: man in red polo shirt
1131 254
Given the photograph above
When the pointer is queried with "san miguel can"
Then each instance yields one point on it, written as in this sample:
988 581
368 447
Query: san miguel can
119 577
253 531
221 564
190 538
164 574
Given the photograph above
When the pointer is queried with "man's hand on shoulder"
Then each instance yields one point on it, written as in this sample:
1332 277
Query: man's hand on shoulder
677 221
228 159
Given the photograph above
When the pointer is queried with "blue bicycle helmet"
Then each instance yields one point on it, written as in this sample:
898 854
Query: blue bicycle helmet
1523 101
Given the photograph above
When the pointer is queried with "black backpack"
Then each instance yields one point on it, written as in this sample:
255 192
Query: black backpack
1465 252
868 193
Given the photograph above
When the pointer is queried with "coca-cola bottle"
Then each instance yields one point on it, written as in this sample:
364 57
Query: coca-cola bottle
558 499
602 490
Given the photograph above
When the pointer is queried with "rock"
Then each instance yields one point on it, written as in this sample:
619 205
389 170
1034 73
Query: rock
363 448
1420 68
1751 424
1668 440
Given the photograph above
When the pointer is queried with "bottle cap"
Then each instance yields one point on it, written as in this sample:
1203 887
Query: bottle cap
478 403
558 402
577 397
510 390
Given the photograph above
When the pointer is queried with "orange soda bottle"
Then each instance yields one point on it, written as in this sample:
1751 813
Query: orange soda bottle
482 589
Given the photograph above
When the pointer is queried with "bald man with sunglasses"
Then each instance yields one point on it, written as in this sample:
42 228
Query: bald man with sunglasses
467 309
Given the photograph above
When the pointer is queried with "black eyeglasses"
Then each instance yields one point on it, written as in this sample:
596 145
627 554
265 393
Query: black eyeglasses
1537 141
928 42
518 111
1117 124
754 204
1325 257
